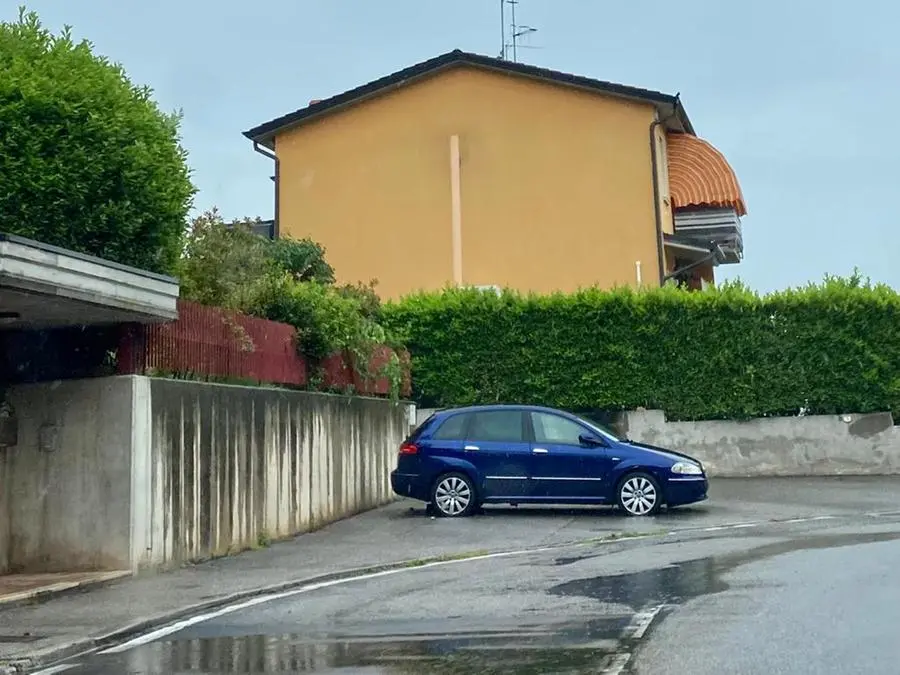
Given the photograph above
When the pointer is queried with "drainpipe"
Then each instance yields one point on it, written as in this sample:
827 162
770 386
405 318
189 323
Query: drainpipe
657 212
271 155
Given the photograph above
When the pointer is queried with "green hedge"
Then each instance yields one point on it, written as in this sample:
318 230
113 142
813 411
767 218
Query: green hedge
718 354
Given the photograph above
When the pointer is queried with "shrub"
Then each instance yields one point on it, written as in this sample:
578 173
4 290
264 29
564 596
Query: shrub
87 160
325 320
221 264
365 294
717 354
287 281
303 259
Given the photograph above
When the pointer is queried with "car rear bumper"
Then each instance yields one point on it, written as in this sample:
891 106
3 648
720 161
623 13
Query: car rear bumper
686 490
409 485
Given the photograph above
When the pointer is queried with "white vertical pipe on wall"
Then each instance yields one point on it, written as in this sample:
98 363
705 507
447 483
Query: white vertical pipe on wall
142 474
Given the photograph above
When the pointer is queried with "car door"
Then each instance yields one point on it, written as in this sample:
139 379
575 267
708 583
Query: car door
496 443
563 468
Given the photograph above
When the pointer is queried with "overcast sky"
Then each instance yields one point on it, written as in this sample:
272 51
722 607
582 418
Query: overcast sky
802 97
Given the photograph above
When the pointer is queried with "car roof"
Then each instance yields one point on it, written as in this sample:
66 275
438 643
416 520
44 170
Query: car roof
443 412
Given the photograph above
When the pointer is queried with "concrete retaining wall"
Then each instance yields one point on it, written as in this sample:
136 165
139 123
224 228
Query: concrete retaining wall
68 478
816 445
231 466
132 472
4 514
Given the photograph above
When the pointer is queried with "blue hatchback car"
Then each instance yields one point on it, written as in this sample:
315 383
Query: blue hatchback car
461 458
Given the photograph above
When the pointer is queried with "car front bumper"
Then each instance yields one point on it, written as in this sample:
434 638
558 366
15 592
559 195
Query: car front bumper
682 490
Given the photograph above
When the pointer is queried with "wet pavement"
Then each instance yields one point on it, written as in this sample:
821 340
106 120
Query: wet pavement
402 531
828 610
719 601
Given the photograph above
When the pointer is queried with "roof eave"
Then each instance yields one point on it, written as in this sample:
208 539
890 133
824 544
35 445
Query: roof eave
264 134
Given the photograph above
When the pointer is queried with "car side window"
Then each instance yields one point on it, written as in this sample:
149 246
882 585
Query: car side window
452 429
497 426
555 429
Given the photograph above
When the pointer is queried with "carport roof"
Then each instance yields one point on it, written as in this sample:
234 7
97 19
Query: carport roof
44 286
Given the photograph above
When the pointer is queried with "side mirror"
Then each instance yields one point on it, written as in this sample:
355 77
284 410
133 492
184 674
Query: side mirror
590 441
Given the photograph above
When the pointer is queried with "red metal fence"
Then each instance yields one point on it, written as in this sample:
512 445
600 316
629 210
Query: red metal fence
209 342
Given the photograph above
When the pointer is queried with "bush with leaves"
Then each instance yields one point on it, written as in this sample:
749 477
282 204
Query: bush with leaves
222 261
227 265
303 259
718 354
369 301
221 264
87 160
325 320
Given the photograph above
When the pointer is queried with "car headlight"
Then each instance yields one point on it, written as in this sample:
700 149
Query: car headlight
687 469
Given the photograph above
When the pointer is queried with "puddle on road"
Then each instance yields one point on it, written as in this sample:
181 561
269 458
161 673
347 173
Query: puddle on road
530 650
684 581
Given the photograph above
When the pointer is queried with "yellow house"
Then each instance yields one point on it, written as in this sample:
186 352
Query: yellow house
476 171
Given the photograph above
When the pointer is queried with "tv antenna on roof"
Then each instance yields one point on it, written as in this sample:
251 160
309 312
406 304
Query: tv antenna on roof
510 50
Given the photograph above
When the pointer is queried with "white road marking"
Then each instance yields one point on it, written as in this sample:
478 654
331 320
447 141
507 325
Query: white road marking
732 526
252 602
641 622
55 669
618 664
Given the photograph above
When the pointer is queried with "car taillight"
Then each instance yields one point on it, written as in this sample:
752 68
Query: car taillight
409 449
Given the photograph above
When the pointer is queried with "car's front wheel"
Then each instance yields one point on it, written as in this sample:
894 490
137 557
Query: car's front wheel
453 496
639 494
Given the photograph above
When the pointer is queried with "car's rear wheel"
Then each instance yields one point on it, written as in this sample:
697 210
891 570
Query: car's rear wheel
453 496
639 494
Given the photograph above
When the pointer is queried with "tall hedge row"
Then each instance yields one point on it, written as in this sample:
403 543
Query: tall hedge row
718 354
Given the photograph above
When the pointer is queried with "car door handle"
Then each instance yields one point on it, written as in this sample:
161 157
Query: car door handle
471 448
540 451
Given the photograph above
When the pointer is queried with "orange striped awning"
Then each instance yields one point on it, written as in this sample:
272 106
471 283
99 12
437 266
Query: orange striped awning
699 175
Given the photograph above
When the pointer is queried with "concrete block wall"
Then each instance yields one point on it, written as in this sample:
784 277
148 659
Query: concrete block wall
814 445
125 473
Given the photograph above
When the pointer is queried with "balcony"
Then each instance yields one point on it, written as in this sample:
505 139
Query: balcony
707 205
706 228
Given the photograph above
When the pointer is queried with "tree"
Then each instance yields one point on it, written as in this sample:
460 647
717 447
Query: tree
87 159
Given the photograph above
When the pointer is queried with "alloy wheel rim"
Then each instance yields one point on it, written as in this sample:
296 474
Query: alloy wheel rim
638 496
452 496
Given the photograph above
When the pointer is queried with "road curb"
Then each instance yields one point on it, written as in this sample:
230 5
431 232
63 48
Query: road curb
61 590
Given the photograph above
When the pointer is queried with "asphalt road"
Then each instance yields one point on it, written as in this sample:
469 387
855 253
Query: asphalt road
818 596
397 533
810 612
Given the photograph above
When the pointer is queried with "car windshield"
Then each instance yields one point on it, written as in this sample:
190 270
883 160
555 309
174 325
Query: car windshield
603 430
